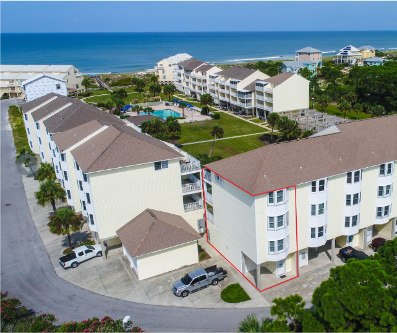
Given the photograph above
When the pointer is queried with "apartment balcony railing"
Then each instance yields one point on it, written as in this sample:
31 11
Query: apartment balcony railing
176 70
187 73
269 99
188 167
242 96
221 90
208 197
187 79
193 75
233 86
224 98
227 84
214 95
244 105
233 101
267 90
191 187
260 97
192 206
207 175
210 216
268 108
212 79
233 94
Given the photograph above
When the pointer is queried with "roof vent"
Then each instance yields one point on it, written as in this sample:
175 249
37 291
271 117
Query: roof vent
264 175
300 167
372 151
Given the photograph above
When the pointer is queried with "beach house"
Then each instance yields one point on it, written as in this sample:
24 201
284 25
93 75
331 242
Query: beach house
309 53
164 68
375 61
348 55
367 51
13 76
275 209
295 66
43 84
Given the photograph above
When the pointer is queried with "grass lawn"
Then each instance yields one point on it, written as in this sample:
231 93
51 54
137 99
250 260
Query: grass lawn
257 121
18 128
333 111
232 126
100 92
225 148
234 293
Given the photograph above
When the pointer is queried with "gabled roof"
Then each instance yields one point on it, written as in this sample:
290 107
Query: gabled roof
12 68
50 107
36 102
359 144
39 76
308 49
153 230
236 72
297 64
138 120
120 146
377 59
189 61
69 138
329 130
193 65
366 47
280 78
204 68
58 68
34 68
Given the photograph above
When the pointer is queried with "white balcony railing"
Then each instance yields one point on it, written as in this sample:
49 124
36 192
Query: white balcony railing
188 167
270 91
268 108
191 187
244 105
269 99
212 79
208 197
192 206
176 70
233 94
224 98
213 95
210 216
186 73
233 86
221 90
260 97
207 176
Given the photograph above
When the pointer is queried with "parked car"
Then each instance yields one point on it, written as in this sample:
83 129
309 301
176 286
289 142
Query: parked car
198 279
376 243
80 254
348 253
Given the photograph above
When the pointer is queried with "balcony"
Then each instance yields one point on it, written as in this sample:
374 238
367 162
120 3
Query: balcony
212 79
267 90
221 90
187 79
213 95
268 108
192 202
210 216
176 71
242 96
187 73
233 94
244 105
191 187
190 167
208 197
207 175
224 98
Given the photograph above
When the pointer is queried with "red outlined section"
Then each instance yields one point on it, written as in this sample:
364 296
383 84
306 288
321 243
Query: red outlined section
253 195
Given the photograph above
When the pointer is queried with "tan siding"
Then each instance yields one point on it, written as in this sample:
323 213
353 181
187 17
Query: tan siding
335 205
368 196
73 181
302 204
261 226
292 94
167 260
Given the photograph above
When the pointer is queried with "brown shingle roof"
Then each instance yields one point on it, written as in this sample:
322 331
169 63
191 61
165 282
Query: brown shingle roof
153 230
193 65
36 102
360 144
49 108
280 78
70 137
251 86
204 68
189 61
236 72
138 120
120 146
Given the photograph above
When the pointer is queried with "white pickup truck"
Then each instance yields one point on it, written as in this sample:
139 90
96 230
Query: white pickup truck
80 254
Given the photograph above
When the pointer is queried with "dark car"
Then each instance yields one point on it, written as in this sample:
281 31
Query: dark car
376 243
348 253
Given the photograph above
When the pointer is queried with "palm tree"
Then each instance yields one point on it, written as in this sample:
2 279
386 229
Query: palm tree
173 127
351 98
64 221
146 127
216 131
169 90
119 103
183 106
358 108
140 85
137 109
86 82
272 121
45 172
50 192
148 110
206 100
324 102
343 107
109 106
154 79
120 93
155 88
377 111
157 126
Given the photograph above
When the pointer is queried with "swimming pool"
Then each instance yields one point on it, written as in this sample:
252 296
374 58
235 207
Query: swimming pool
164 113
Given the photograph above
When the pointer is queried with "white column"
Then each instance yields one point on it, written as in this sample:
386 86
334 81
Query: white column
258 277
365 238
333 250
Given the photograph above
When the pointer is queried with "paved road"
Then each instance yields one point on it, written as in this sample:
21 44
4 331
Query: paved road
27 273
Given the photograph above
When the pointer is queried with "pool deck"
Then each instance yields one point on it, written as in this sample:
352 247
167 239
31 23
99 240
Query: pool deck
189 115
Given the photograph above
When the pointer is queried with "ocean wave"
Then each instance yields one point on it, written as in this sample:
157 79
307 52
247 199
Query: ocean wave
392 48
329 52
253 59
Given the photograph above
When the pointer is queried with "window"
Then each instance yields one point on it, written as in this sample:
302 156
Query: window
160 165
313 210
321 209
31 145
42 155
87 195
27 130
77 166
355 199
356 176
280 221
388 188
39 140
386 211
349 177
60 168
80 185
81 253
56 168
314 186
389 169
26 117
354 220
83 204
58 86
271 197
380 191
53 153
280 245
382 169
219 179
279 196
347 222
65 175
63 157
312 232
85 177
320 232
271 246
63 184
321 185
271 223
77 86
69 195
379 212
49 146
87 251
348 200
37 125
91 219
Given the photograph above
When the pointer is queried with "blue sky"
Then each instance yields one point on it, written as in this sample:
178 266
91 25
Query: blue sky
166 16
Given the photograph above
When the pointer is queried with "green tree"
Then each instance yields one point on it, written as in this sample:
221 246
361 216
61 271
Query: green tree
357 108
305 73
50 192
45 172
206 100
377 111
252 324
272 120
64 222
148 110
289 310
324 102
169 90
154 79
183 105
311 323
357 297
119 103
343 107
140 85
120 93
172 127
288 128
307 133
134 80
386 255
155 88
137 109
351 97
109 106
86 82
216 131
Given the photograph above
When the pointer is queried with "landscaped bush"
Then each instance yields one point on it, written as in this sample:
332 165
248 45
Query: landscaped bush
123 117
84 242
125 81
101 105
216 116
85 94
205 110
234 293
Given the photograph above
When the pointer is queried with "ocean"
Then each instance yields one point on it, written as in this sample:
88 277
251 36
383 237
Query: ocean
130 52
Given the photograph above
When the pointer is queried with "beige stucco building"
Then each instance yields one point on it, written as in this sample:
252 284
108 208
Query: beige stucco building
164 68
367 51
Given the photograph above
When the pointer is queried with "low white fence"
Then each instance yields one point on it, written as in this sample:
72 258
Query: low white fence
147 104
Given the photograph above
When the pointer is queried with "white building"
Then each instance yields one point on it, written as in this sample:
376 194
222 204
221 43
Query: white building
43 84
13 76
348 55
164 68
268 210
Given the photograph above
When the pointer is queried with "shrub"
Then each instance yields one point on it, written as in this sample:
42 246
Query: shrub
202 255
85 94
216 116
134 101
101 105
11 309
205 110
123 117
234 293
67 251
